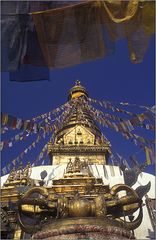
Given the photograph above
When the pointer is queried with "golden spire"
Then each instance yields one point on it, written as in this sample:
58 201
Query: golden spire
79 134
77 91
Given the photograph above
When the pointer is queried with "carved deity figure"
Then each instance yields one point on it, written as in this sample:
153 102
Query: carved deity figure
69 168
77 165
86 169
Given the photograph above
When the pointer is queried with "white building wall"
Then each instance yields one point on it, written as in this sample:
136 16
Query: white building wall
145 230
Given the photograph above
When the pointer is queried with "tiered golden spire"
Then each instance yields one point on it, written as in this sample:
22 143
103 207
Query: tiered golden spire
79 133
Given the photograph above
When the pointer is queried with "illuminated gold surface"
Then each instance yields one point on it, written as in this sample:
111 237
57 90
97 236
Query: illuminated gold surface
17 234
76 95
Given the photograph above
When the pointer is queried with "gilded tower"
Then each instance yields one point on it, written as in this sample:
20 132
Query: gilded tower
79 135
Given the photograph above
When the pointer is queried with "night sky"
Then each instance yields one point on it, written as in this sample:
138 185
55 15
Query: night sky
113 78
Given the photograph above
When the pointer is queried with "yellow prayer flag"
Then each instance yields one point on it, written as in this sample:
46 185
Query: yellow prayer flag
141 117
5 119
148 17
147 156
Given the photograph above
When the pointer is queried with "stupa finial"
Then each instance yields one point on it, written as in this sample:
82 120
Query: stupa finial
77 90
77 83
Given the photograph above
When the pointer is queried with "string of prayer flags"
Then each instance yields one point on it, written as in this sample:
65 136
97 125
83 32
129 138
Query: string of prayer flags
108 103
4 170
55 111
113 159
115 162
153 109
17 137
130 123
41 155
123 162
138 118
100 113
23 136
122 128
21 155
44 124
17 123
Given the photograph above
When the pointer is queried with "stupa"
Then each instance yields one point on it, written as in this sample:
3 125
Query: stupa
77 196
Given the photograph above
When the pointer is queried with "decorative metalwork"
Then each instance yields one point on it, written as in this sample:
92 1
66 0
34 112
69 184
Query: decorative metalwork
62 199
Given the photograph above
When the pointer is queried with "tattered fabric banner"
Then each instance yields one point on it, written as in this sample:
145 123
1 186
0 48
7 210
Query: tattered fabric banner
20 43
72 29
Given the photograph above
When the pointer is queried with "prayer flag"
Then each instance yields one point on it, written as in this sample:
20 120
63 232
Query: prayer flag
1 146
14 161
25 151
19 123
147 156
9 165
4 119
10 144
152 155
4 170
134 160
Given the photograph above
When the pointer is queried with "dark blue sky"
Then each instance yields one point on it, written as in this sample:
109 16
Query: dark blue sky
114 78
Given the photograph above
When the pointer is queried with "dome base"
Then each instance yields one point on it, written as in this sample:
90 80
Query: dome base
86 229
